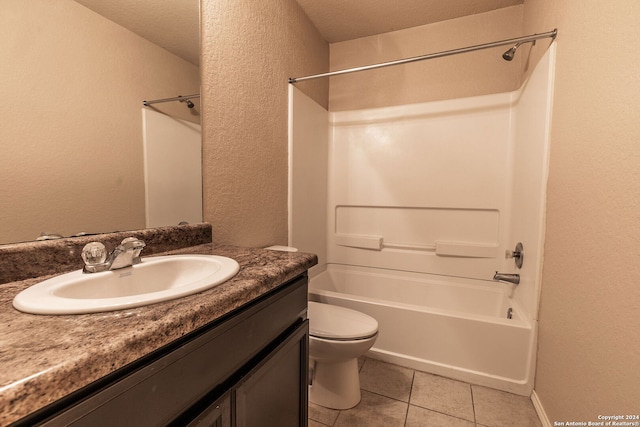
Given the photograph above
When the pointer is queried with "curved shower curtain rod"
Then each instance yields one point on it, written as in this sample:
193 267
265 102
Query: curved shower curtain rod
517 40
179 98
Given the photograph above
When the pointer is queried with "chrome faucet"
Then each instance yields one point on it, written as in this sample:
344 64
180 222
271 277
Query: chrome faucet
126 254
505 277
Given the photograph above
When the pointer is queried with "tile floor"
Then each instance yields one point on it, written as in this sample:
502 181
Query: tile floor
397 396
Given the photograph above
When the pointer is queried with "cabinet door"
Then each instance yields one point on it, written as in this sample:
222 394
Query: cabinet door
217 414
275 392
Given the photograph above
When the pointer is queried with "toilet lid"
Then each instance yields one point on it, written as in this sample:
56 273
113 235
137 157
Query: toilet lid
339 323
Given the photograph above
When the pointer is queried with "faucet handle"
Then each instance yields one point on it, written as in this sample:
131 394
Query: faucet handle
517 254
136 245
132 243
94 253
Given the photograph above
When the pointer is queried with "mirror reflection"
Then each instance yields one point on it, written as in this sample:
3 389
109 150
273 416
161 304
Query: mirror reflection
73 83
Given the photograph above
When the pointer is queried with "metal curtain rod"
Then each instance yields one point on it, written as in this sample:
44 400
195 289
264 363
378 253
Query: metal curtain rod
524 39
176 98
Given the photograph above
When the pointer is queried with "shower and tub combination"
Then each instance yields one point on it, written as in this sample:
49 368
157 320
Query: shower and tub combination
430 219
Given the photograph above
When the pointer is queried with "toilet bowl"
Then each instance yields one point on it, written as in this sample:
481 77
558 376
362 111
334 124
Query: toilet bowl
337 337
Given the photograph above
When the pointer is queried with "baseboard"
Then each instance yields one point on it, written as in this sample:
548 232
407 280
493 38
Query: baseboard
540 410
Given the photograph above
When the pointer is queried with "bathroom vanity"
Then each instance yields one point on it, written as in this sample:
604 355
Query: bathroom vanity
233 355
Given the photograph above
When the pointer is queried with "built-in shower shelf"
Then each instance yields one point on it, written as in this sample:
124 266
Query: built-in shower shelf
361 242
440 248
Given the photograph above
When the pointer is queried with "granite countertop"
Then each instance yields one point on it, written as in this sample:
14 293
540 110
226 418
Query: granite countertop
43 358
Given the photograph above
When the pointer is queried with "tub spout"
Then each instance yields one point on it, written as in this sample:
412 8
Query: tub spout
509 278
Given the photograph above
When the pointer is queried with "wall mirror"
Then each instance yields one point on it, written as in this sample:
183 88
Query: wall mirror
74 76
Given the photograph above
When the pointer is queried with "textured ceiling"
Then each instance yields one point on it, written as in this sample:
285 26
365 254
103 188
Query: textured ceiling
339 20
171 24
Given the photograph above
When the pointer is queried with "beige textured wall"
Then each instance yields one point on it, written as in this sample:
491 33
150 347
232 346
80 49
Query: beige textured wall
72 86
476 73
589 351
588 348
250 49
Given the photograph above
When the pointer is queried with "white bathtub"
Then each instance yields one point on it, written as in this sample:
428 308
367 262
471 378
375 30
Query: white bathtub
444 325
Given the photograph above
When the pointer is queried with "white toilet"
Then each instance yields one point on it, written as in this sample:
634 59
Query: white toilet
337 337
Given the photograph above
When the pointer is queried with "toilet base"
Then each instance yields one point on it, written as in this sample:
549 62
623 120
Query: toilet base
335 385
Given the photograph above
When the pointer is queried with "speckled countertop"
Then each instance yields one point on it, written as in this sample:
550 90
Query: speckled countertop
43 358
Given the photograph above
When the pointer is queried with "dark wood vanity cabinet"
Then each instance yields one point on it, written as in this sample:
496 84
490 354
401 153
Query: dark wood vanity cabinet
270 395
247 369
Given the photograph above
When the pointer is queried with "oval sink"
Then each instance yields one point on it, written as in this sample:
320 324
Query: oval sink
154 280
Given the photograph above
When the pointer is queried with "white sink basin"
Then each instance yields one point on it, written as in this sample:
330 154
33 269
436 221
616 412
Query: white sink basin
154 280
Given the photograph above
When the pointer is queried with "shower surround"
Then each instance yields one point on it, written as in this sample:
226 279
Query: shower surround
429 197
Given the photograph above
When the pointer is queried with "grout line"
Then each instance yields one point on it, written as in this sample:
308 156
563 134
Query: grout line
382 395
406 415
443 413
473 406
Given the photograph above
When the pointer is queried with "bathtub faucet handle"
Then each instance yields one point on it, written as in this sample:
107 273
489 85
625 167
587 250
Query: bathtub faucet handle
517 254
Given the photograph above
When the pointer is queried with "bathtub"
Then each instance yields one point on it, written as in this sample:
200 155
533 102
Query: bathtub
454 327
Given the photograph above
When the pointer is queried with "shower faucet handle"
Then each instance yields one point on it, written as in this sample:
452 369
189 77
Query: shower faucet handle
517 254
